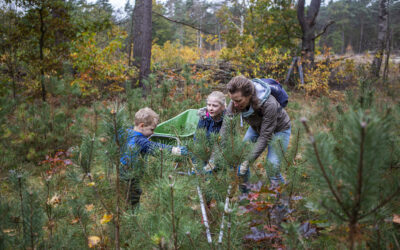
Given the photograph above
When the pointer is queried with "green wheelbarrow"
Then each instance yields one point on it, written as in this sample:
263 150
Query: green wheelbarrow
180 127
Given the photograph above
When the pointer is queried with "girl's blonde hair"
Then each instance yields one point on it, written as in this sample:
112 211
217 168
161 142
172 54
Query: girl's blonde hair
218 96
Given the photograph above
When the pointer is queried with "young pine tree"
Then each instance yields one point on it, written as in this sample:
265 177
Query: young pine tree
352 167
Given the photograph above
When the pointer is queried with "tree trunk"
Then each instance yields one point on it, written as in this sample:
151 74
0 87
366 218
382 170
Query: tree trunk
382 30
142 38
388 45
307 24
343 41
130 48
361 36
59 14
41 45
14 72
242 13
352 233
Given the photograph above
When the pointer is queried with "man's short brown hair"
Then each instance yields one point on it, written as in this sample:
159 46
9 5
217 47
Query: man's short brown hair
147 116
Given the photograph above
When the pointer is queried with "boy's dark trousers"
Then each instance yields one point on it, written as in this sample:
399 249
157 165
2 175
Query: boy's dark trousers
134 191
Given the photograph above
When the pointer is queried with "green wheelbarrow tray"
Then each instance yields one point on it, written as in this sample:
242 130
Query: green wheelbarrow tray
180 127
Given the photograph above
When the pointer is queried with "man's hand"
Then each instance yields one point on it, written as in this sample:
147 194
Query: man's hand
243 168
179 151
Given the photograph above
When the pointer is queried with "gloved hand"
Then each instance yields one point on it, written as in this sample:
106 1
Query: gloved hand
209 167
179 151
243 168
202 113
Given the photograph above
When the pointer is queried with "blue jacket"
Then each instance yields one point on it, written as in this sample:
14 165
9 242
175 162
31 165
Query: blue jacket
138 145
208 123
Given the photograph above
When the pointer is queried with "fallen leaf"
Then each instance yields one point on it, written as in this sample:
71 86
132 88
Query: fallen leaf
93 241
213 203
10 232
106 218
54 201
259 235
74 221
50 224
307 230
89 207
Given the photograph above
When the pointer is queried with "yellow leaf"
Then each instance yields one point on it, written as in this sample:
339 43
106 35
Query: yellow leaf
89 207
106 218
93 241
91 184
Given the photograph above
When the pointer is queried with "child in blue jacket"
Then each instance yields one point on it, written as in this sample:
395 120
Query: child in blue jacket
138 145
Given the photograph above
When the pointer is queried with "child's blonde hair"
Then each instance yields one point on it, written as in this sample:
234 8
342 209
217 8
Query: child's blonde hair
219 96
147 116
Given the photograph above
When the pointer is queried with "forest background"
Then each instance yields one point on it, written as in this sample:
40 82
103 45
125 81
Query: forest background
73 73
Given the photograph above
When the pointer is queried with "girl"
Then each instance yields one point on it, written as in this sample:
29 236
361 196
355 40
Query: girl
211 118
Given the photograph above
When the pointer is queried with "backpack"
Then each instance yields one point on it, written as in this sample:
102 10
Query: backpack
276 90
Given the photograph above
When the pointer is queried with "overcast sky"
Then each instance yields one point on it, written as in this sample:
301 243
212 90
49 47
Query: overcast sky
119 3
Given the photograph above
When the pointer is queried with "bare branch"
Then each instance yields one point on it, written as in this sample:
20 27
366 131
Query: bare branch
182 23
324 29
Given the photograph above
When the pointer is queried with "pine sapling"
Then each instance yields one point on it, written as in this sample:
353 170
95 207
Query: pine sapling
354 168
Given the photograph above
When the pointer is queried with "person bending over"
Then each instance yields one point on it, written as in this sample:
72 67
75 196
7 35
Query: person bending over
268 122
